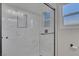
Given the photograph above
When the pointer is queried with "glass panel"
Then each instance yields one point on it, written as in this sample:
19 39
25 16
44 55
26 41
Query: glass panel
71 20
70 8
71 14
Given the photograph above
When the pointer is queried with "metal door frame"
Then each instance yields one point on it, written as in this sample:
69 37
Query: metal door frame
0 29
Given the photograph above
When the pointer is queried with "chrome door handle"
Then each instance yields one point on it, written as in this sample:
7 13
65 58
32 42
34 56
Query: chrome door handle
72 46
5 37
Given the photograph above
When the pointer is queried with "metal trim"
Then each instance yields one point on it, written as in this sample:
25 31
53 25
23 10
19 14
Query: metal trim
0 29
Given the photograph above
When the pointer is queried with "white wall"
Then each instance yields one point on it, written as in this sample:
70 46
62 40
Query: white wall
66 35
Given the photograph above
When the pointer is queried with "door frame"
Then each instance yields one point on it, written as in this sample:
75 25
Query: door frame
0 29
